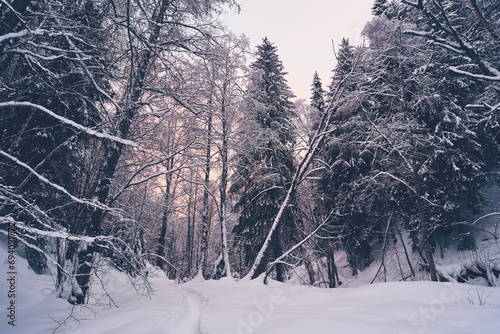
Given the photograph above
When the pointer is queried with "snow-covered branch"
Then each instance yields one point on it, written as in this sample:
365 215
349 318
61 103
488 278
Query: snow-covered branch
408 164
406 185
76 125
52 234
495 77
13 35
453 40
37 31
92 203
297 245
323 129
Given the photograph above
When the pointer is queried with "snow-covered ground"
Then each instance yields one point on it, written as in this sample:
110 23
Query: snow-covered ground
226 306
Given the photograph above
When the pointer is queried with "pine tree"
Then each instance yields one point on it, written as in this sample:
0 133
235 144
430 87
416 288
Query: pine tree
345 59
379 7
344 163
318 94
317 101
432 142
63 75
265 162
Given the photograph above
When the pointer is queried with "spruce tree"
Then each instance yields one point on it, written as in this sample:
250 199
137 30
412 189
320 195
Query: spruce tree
344 163
57 81
265 160
345 59
318 94
317 101
433 143
379 7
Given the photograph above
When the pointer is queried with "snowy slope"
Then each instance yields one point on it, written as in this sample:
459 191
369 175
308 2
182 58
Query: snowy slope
225 306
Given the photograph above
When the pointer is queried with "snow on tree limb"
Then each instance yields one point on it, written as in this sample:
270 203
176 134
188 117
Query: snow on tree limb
13 35
297 245
388 140
406 185
39 250
56 186
164 259
89 73
76 125
37 31
131 182
40 56
23 204
496 77
52 234
454 41
323 129
160 173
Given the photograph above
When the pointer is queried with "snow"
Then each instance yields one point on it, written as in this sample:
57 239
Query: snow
244 307
51 234
13 35
76 125
56 186
495 77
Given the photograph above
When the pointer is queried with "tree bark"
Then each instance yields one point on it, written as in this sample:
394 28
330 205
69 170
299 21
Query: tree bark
205 225
483 20
166 214
333 276
424 226
189 242
223 184
113 150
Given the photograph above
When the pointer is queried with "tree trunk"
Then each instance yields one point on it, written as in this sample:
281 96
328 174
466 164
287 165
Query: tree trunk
166 214
424 227
406 252
277 251
483 20
205 225
333 276
309 268
113 150
189 242
223 185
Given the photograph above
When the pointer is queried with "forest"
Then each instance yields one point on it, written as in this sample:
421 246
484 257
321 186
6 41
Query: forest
144 133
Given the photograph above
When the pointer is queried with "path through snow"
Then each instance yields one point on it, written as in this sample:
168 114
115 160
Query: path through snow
193 304
228 307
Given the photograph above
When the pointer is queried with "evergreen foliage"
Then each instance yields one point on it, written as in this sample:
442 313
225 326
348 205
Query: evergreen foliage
344 164
379 7
53 76
344 66
399 147
265 162
318 94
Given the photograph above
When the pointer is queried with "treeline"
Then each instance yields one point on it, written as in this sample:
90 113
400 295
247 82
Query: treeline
133 132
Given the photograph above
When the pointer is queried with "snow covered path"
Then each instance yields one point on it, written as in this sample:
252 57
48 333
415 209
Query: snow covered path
384 308
228 307
193 304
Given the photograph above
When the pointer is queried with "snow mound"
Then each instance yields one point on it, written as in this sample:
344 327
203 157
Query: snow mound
245 307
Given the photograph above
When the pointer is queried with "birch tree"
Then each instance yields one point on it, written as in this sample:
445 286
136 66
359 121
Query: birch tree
69 38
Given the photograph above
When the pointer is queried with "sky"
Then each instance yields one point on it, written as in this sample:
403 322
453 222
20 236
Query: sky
303 31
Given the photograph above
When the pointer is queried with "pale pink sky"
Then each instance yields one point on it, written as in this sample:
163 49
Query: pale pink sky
303 31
